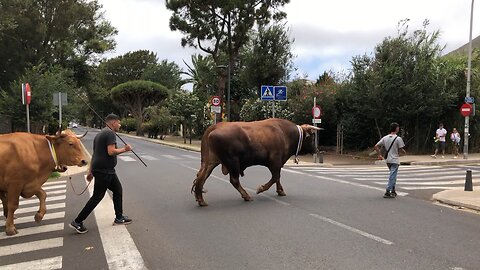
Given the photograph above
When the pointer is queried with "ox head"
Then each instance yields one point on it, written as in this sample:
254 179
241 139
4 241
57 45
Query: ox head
308 144
69 149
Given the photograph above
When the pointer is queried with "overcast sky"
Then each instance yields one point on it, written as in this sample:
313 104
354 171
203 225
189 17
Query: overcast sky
327 33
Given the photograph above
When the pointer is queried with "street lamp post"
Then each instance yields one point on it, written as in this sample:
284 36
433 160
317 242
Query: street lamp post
469 72
228 89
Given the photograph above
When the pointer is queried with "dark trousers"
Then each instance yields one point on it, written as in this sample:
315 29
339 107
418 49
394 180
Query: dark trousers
102 183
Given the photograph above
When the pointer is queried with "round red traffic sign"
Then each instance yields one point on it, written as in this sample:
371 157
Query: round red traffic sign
215 100
466 109
316 112
28 93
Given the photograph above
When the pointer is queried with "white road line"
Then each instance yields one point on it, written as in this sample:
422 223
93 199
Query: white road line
34 230
120 250
171 157
31 246
54 187
191 156
430 187
126 158
413 178
43 264
118 245
48 199
365 234
48 216
34 209
431 183
35 201
54 183
354 230
246 188
344 182
147 157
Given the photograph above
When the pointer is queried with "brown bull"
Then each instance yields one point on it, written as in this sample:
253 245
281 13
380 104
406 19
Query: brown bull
26 162
239 145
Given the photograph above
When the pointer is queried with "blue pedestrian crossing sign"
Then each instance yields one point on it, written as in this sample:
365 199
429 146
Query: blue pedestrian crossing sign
270 92
267 92
280 93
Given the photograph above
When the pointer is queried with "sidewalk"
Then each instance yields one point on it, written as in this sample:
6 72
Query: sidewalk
460 198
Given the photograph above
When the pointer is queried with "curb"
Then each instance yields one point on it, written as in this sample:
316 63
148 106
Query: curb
456 203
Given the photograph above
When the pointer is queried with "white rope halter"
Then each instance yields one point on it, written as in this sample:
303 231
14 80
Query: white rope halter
300 141
54 154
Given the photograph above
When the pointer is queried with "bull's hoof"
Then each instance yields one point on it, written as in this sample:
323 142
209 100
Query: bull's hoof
281 193
202 203
11 231
38 217
260 189
247 198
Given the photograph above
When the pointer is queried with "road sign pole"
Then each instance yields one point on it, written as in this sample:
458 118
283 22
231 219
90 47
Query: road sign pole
315 155
28 118
59 110
273 108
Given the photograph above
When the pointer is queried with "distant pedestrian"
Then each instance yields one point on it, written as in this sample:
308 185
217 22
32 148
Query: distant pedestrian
455 137
440 135
104 160
393 144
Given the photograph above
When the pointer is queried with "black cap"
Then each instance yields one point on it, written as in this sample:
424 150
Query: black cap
112 116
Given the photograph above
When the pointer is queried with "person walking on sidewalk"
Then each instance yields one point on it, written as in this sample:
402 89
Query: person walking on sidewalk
455 137
104 160
440 135
393 145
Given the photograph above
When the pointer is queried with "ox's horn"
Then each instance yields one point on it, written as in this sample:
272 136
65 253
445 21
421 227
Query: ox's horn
313 127
81 136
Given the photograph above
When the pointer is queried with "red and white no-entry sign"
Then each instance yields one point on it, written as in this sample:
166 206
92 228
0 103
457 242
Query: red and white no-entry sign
466 109
28 93
215 100
316 112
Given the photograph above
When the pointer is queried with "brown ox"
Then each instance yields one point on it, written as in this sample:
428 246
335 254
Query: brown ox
26 163
239 145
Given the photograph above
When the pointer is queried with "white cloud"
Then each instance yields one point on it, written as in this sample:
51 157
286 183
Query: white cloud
327 33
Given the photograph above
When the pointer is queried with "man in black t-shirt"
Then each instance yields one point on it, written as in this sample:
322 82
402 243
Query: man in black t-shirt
104 160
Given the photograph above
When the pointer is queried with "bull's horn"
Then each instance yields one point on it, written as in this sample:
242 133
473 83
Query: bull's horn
81 136
313 127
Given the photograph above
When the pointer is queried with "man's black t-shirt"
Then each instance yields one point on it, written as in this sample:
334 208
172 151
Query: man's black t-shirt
101 161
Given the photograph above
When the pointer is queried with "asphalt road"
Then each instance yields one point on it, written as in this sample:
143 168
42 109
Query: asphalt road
320 224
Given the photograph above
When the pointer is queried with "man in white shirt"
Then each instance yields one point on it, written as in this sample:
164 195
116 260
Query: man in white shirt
440 135
393 144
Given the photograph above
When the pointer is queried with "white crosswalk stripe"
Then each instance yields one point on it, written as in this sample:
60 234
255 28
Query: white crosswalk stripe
408 178
43 264
131 158
33 236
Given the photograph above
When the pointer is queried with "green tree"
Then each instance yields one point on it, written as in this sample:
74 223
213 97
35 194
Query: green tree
165 73
65 33
136 96
221 28
128 67
403 82
44 82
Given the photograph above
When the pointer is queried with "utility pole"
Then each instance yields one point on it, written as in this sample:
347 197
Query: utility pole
469 71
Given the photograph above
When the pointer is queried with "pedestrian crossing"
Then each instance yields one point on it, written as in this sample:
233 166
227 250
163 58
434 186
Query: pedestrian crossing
131 157
33 238
408 178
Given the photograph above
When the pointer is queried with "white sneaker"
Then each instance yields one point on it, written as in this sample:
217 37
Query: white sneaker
443 156
455 157
433 156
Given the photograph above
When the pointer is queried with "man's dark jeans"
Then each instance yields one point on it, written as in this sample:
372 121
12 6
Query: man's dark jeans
102 183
